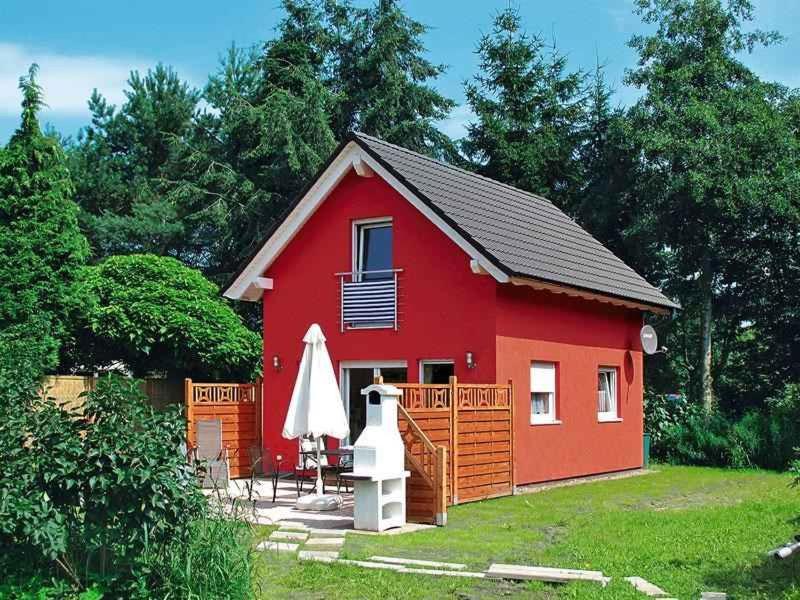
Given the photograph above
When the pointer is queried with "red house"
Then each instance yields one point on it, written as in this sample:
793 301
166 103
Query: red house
417 270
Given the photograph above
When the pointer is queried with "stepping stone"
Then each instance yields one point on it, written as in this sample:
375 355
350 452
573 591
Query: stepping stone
523 572
297 536
419 563
318 555
713 596
277 547
440 572
328 533
325 542
292 526
646 587
369 564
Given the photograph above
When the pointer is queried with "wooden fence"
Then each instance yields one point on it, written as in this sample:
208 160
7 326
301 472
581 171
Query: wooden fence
238 406
68 389
472 424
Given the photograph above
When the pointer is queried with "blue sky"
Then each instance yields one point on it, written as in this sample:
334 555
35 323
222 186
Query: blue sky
81 44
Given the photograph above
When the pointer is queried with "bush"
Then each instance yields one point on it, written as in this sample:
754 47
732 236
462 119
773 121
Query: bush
685 434
662 412
87 495
155 314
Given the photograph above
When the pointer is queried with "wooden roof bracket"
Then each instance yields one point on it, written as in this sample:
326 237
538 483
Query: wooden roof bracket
586 295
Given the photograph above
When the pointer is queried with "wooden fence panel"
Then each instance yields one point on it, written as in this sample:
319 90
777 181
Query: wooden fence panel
237 406
67 390
473 424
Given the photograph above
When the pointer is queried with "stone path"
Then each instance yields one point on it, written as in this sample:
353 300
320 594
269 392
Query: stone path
323 545
317 544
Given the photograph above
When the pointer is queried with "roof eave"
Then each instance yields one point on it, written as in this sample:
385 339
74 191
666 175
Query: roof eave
590 294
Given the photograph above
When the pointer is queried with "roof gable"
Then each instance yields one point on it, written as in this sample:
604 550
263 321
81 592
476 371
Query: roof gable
509 233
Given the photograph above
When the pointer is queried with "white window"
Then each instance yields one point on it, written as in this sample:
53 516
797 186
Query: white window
373 250
607 394
543 393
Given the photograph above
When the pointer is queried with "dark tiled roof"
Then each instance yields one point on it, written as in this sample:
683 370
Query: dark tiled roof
522 234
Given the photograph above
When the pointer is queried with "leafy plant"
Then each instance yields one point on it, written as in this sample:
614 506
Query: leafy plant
83 496
155 314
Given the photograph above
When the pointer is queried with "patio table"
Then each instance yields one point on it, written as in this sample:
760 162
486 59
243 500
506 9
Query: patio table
338 468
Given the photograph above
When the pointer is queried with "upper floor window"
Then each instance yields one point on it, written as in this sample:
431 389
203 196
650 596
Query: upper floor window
373 250
543 393
607 409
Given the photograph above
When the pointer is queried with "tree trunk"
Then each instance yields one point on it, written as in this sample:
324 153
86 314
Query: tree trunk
706 377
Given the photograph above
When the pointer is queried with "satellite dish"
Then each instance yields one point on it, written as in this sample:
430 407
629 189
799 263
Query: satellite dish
649 339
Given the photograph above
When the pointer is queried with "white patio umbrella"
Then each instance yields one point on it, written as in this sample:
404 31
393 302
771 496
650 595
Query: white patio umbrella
316 406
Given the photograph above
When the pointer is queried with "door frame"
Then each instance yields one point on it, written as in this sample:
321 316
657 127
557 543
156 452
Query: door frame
344 379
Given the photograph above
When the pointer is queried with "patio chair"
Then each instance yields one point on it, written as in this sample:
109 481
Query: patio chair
306 470
344 465
210 455
262 462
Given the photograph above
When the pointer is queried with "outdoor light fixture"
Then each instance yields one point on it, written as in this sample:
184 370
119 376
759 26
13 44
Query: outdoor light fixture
470 360
276 362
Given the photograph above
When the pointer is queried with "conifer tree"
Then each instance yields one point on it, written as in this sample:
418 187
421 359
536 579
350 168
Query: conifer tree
41 246
530 113
384 80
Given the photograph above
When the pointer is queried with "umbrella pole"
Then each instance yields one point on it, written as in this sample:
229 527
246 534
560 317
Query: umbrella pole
319 467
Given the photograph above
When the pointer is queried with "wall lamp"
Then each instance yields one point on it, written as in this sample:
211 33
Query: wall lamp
276 362
470 360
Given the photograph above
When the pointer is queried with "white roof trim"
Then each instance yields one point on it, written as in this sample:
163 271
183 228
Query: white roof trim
350 157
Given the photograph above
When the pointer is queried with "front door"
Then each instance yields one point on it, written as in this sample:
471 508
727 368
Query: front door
355 379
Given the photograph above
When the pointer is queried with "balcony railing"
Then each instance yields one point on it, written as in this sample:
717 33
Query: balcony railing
368 299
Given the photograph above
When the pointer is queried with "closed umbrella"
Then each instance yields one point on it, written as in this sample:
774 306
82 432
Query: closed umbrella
316 406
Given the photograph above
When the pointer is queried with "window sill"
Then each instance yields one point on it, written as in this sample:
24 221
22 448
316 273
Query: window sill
609 419
537 423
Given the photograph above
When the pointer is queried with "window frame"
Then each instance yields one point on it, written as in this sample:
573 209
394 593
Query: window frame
434 361
358 226
551 416
611 416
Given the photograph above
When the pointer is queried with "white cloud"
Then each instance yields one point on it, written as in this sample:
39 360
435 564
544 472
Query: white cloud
67 80
455 126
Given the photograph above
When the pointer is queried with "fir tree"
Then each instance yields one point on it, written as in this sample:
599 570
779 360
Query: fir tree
41 247
530 113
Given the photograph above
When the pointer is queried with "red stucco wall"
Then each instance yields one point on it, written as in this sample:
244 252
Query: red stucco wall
579 336
444 309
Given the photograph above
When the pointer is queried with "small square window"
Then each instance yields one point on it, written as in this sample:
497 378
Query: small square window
436 371
607 394
543 393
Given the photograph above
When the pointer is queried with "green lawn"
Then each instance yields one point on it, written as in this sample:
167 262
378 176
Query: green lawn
685 529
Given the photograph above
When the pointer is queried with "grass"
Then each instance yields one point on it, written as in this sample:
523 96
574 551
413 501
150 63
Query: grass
685 529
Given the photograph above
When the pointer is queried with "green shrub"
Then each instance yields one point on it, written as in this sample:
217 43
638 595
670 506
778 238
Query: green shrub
156 314
795 468
698 440
662 412
766 438
86 495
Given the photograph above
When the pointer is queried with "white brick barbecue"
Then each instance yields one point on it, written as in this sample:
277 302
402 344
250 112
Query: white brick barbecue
379 475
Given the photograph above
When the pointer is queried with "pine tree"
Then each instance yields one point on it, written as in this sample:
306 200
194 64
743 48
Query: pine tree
530 113
41 246
383 80
121 164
